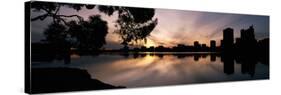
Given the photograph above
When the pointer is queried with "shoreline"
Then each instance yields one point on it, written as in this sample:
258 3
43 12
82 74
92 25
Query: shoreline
47 80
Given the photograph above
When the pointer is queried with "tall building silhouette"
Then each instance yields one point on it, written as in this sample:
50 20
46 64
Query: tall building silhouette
196 43
204 47
221 43
196 46
248 34
237 40
248 41
227 47
227 39
213 45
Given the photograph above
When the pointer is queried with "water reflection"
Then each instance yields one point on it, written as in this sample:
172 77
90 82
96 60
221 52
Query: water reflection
155 69
228 66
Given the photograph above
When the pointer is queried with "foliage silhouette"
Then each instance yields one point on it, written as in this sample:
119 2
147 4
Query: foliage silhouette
89 35
58 38
51 9
108 10
56 34
134 24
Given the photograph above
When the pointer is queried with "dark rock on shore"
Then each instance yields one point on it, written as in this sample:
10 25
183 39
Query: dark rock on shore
46 80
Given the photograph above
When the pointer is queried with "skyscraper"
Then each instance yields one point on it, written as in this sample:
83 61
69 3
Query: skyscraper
247 34
228 39
204 47
248 40
213 45
196 43
196 46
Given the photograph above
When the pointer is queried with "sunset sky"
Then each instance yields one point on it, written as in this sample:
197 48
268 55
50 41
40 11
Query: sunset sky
174 26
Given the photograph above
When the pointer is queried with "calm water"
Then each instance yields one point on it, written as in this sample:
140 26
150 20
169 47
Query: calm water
147 69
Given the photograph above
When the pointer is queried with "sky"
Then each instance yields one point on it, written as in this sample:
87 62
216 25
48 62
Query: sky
174 26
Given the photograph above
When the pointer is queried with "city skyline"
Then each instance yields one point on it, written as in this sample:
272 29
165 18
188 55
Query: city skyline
77 47
174 27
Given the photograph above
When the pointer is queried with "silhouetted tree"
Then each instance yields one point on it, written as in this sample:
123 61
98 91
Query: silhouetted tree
108 10
51 9
133 24
89 35
56 34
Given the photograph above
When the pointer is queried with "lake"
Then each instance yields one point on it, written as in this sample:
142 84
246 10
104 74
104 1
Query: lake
164 68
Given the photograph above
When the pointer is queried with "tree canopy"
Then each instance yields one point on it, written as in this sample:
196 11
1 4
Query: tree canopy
90 34
133 24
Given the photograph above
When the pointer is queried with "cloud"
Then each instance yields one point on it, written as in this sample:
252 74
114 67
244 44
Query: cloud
185 27
174 26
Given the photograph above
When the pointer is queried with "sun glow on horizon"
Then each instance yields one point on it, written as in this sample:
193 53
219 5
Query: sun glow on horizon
174 27
150 43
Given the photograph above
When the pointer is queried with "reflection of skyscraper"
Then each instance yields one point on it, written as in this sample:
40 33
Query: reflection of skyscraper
227 39
228 64
196 57
248 66
213 45
213 57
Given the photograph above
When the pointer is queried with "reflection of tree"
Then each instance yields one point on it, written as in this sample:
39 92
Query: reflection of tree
133 24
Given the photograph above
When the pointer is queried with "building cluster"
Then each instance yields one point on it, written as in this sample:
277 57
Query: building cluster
197 47
246 43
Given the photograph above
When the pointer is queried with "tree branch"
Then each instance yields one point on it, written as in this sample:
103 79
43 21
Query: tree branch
63 21
56 12
41 17
79 17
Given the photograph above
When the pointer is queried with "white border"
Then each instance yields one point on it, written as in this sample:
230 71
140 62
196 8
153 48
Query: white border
12 47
